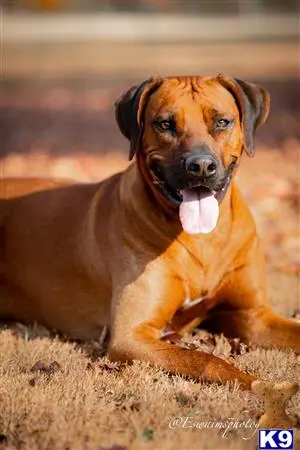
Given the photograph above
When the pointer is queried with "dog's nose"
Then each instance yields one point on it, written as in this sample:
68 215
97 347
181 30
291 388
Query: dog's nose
201 165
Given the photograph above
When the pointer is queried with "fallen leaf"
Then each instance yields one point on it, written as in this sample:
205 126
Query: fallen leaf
39 366
114 447
53 367
237 346
110 366
32 382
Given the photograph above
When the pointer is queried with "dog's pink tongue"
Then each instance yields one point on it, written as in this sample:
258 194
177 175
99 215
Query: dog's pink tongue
198 213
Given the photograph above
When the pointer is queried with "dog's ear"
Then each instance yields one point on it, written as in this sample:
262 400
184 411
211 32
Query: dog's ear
253 103
130 108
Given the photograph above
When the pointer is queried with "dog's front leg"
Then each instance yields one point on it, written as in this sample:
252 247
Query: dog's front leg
141 311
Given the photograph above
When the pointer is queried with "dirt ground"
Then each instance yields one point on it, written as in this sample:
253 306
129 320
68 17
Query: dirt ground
56 394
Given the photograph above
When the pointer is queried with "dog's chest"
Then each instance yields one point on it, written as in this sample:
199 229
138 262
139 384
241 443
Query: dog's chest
201 264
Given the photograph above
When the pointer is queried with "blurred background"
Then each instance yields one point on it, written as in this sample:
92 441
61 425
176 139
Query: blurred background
64 62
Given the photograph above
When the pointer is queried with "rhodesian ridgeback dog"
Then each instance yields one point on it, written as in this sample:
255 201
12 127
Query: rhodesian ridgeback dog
167 244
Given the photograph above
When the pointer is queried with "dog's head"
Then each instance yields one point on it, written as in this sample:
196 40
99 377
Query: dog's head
189 134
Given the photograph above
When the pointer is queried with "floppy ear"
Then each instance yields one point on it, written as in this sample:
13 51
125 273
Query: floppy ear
253 103
130 108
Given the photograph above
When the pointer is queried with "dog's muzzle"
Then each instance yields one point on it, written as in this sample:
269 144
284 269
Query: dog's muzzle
200 172
196 187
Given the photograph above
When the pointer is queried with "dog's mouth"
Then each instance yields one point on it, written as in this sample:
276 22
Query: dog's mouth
198 203
176 195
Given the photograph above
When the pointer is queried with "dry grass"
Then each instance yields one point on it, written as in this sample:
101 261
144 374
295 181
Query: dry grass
92 405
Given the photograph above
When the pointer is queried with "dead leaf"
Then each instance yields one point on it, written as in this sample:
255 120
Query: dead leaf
114 447
53 367
32 382
202 340
39 366
237 346
110 366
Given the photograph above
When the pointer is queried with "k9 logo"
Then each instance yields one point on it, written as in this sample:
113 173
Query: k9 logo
270 439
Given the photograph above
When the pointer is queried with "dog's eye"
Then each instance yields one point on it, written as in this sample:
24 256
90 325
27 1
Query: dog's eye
222 124
165 125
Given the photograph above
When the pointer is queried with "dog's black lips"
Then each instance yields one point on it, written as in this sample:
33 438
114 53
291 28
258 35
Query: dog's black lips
174 196
171 194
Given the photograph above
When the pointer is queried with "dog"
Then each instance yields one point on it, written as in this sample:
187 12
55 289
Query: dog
157 249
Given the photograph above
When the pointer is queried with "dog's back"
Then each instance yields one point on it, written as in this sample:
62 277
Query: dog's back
16 187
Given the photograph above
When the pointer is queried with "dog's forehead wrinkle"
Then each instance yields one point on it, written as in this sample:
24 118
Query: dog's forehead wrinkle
178 107
181 79
181 88
195 95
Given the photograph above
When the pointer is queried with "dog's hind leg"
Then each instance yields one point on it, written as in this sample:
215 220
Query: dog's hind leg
245 312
